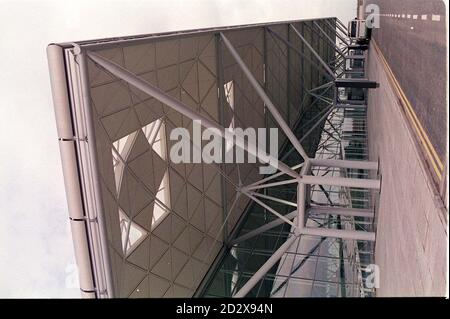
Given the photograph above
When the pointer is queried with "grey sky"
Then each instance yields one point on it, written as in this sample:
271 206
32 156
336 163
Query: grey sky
35 241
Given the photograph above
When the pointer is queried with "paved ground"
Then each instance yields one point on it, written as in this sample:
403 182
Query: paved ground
412 37
412 238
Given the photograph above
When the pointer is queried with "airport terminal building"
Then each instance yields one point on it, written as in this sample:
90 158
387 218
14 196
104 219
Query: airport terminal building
146 226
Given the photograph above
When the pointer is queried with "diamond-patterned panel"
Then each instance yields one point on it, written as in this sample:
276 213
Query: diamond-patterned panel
168 261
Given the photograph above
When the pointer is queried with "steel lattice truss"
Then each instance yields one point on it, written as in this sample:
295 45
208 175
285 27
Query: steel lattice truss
154 227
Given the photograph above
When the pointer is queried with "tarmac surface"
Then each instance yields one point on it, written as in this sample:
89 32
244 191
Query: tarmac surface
412 238
412 38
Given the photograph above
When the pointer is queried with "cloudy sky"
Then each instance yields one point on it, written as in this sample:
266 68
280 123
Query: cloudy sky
36 256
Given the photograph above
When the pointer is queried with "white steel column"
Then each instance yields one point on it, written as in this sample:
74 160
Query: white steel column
301 205
341 181
345 163
343 211
339 233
